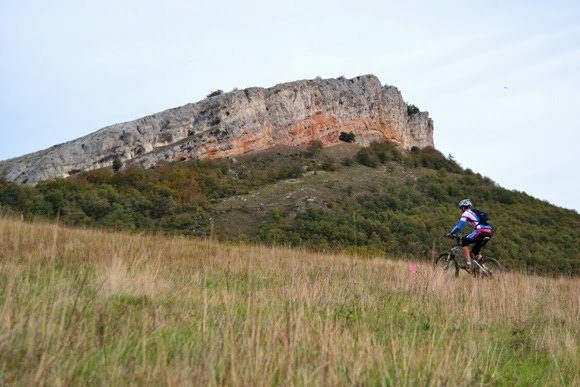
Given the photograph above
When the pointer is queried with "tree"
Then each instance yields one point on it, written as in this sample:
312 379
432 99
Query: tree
347 137
117 164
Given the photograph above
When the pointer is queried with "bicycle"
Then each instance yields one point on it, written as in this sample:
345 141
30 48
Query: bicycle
483 267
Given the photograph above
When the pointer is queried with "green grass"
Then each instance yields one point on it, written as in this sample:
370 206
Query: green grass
92 307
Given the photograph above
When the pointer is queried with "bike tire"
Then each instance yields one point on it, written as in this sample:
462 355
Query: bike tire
493 267
447 263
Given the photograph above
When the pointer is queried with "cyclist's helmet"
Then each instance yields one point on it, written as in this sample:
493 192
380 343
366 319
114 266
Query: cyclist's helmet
465 203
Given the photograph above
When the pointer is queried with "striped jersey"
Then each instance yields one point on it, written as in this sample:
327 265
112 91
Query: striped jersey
469 216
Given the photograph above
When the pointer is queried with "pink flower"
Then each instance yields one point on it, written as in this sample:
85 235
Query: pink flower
413 268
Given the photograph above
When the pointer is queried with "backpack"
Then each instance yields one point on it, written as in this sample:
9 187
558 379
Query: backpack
483 217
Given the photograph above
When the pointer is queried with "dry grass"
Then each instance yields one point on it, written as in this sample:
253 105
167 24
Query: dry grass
90 307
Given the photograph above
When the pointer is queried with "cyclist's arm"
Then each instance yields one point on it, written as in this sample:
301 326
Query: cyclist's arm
458 226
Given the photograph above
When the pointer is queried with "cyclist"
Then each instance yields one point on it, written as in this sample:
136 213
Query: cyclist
480 235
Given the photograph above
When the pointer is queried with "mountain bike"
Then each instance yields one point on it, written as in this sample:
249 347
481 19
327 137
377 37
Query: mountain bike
453 260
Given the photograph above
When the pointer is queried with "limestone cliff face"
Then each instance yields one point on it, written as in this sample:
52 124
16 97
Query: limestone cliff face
239 122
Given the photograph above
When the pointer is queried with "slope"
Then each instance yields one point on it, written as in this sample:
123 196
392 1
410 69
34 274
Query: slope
372 201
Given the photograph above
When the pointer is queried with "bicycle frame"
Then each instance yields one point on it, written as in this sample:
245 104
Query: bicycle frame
455 250
482 268
458 247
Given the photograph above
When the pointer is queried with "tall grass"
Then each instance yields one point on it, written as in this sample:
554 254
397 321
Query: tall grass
91 307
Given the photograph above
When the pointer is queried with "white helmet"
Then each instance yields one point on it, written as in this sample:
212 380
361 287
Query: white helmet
465 203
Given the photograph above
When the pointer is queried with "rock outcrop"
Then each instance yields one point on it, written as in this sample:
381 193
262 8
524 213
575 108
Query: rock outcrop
238 122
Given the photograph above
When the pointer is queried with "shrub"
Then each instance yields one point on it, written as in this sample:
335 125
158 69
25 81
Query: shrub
379 152
117 164
329 166
347 137
293 171
366 157
430 157
215 93
412 109
314 148
347 161
386 151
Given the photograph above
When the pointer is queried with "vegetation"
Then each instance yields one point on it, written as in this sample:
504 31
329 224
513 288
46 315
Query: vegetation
412 109
215 93
347 136
117 164
374 201
314 148
91 307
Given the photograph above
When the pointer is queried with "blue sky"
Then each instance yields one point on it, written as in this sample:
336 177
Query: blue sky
501 79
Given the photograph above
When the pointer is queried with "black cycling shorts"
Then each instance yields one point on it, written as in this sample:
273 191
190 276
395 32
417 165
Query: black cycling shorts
479 241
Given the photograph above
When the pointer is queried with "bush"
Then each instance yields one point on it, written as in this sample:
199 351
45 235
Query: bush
412 109
347 161
430 157
293 171
379 153
117 164
366 157
314 148
328 165
215 93
347 137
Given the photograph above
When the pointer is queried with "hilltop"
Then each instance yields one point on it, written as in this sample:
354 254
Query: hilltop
236 123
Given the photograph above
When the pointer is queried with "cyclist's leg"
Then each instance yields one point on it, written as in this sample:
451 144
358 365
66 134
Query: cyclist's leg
465 242
480 241
466 254
476 250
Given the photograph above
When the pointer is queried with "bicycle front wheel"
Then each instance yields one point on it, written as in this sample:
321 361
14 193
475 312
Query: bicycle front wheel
447 262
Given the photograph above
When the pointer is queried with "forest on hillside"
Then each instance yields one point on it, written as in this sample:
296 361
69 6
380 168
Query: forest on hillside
373 201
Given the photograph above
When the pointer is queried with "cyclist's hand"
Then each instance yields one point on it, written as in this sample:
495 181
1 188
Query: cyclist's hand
449 235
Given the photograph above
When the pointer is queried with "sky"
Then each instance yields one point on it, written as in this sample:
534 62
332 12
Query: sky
501 79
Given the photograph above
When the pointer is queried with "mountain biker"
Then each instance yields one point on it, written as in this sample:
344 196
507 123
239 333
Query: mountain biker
480 235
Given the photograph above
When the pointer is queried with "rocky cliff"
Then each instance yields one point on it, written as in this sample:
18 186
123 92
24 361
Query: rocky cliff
238 122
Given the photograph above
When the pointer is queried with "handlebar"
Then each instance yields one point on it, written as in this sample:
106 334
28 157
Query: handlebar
457 237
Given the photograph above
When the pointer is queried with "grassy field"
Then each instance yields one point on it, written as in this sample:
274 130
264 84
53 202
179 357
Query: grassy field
91 307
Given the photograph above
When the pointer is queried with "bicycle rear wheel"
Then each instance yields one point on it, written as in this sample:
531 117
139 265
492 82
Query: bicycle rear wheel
491 267
447 262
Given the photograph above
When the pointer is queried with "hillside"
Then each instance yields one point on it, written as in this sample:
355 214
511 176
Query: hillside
84 307
373 202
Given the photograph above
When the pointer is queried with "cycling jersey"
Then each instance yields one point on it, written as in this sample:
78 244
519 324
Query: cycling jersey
471 217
